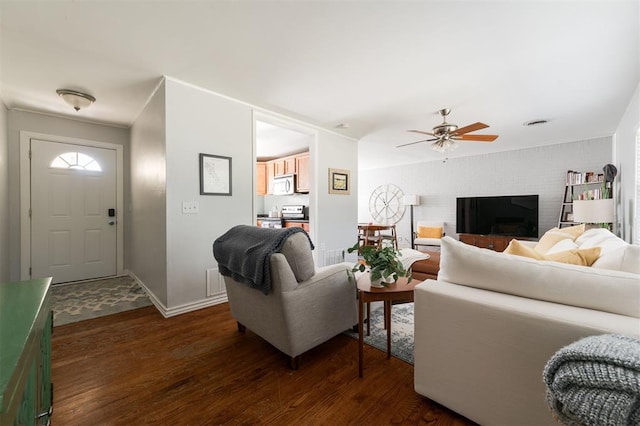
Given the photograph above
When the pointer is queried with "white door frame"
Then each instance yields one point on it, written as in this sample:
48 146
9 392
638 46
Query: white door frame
25 195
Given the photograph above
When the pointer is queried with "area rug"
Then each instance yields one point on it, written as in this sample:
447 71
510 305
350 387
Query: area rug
98 298
401 331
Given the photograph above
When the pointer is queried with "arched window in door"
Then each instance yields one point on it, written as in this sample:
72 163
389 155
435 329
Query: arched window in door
76 160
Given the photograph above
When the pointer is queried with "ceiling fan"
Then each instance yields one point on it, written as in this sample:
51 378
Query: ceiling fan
445 135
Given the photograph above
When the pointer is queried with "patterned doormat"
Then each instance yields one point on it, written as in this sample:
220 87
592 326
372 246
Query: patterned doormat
93 299
401 331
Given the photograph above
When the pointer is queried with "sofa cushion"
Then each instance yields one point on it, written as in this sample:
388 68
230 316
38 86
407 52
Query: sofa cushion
573 256
555 235
625 258
600 237
600 289
297 250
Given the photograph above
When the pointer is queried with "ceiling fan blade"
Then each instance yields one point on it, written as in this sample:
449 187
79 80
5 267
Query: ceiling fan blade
470 128
421 132
413 143
477 138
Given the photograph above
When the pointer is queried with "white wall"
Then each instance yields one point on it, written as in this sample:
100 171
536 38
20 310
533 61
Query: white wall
539 171
145 231
336 224
199 121
625 161
40 123
4 196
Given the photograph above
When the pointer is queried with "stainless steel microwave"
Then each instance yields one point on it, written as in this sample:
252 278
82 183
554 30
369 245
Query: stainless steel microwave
283 185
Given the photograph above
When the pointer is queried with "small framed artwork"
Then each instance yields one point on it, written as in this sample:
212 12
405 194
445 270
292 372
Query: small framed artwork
339 181
215 175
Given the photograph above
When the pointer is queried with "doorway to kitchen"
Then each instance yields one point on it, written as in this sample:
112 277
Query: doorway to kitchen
284 174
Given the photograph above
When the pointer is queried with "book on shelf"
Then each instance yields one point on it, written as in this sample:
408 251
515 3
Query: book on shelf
580 178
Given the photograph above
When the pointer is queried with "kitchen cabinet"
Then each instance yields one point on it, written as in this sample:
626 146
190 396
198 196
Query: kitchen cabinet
261 178
26 320
302 171
298 164
294 224
285 166
271 172
279 167
289 165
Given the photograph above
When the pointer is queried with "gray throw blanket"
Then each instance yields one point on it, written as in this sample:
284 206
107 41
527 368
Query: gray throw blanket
243 253
596 381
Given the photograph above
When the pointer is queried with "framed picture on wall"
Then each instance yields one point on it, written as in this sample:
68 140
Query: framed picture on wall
215 175
339 181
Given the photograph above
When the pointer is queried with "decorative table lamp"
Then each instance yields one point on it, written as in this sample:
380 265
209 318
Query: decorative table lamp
594 211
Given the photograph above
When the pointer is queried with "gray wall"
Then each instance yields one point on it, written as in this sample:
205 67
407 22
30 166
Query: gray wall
201 122
539 171
169 251
145 230
40 123
626 137
336 215
4 197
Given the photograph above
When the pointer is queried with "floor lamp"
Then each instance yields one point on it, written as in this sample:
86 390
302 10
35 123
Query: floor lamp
412 200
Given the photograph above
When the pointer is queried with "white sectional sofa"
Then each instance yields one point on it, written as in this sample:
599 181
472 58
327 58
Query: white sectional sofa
486 328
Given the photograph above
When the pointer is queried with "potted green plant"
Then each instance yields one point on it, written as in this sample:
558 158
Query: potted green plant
382 263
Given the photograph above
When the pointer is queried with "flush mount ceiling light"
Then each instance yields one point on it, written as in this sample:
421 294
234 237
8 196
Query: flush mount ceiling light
76 99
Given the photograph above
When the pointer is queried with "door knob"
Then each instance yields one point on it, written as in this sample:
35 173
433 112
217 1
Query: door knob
112 222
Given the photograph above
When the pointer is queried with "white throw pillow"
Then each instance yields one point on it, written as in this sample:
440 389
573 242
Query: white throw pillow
626 258
562 245
600 237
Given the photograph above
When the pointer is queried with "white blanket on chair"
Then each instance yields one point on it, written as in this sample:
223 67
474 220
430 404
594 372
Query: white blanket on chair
409 256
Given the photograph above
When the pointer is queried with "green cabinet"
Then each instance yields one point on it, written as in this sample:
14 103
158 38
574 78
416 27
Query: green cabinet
26 321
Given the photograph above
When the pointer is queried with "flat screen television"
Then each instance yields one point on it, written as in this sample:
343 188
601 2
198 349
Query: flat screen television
515 215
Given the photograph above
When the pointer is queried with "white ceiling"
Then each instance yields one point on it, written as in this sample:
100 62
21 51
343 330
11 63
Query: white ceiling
382 67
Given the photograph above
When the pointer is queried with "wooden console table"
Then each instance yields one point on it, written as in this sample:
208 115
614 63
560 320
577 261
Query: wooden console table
491 242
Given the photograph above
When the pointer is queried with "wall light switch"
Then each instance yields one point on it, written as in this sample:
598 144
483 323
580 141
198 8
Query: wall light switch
190 207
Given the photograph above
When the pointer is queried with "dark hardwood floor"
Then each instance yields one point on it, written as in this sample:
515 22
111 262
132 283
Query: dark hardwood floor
138 368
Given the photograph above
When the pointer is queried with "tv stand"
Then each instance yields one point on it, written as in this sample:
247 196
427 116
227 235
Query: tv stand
491 242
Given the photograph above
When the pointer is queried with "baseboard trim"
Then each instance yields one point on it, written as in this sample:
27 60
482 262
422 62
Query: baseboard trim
181 309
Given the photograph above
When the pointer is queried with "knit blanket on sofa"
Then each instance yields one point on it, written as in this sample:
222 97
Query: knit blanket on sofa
243 253
596 381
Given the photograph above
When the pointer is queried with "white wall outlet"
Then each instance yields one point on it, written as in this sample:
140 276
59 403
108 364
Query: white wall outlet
190 207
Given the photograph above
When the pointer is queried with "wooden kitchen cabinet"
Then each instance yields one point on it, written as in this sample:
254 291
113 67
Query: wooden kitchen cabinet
270 172
285 165
261 178
298 164
302 171
293 224
279 167
289 165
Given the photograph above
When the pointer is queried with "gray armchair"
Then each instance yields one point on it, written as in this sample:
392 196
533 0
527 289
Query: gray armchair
304 307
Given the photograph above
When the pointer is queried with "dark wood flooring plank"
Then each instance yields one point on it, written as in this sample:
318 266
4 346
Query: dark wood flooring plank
138 368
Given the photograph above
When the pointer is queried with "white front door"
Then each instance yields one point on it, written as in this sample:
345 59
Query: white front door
73 217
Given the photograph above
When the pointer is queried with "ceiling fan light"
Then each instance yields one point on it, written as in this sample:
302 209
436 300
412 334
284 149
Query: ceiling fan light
444 145
76 99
